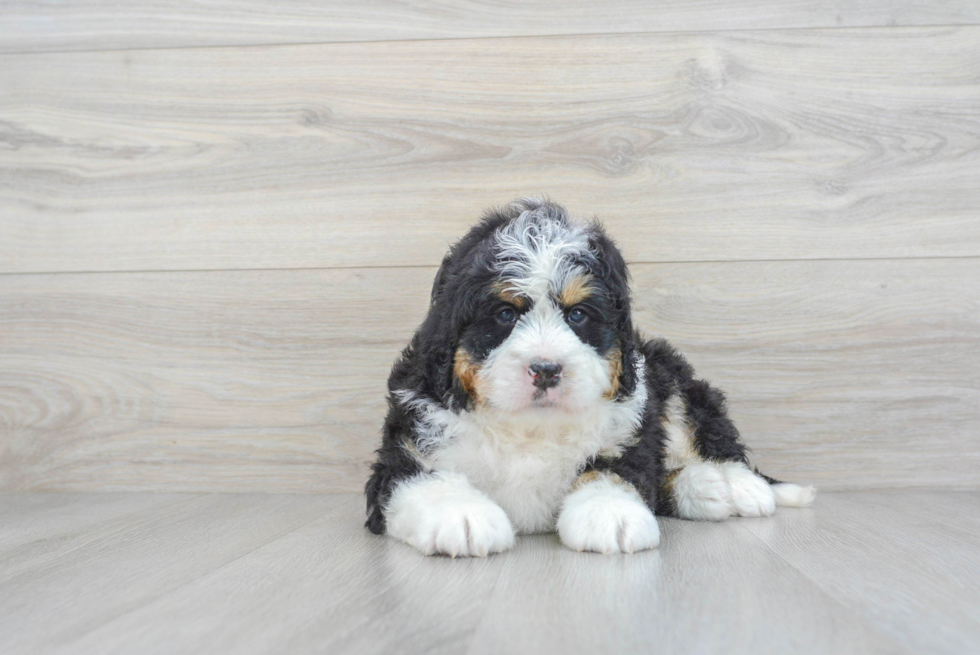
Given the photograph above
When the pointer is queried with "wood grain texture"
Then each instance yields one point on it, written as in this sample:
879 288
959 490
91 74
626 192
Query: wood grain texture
30 26
327 587
38 528
844 374
857 573
264 380
863 367
956 510
122 564
700 592
692 147
896 569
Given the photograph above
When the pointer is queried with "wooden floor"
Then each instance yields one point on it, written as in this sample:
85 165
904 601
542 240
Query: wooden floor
862 572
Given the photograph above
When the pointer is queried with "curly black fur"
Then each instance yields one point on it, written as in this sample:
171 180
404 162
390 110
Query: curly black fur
461 293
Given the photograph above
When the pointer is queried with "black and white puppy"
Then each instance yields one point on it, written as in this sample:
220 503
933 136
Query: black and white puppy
527 402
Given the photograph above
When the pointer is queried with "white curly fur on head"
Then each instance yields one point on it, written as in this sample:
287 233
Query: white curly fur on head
541 249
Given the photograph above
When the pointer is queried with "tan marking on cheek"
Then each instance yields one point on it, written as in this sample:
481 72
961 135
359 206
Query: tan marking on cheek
468 373
508 294
577 290
615 359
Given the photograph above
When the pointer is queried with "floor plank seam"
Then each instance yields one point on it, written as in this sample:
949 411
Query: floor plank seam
120 524
508 563
814 588
152 599
569 35
868 620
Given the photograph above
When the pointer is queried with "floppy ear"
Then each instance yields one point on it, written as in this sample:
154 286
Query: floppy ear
457 292
434 344
610 268
440 280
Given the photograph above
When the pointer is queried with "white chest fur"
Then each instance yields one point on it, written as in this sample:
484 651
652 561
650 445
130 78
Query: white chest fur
526 469
526 464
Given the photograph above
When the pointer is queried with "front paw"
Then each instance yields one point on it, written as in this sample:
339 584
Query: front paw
607 517
443 513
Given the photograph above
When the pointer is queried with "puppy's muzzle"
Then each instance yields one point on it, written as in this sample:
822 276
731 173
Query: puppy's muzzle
545 374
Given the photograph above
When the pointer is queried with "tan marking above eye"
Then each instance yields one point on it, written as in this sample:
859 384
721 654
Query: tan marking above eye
577 290
508 294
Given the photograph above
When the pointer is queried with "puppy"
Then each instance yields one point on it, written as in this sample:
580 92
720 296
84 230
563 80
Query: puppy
527 402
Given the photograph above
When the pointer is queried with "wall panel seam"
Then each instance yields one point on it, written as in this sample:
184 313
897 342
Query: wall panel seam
435 265
560 35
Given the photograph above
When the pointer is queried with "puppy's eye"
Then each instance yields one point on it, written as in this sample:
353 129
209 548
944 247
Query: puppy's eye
506 315
577 316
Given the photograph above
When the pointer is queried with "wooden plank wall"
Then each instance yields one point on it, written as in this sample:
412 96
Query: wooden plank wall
209 256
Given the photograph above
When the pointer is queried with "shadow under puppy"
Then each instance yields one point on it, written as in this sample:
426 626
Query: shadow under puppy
528 402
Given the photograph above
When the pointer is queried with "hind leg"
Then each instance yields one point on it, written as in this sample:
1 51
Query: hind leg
713 491
709 478
751 495
793 495
700 492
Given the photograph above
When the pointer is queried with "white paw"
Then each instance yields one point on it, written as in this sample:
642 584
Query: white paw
793 495
607 517
702 493
751 495
443 513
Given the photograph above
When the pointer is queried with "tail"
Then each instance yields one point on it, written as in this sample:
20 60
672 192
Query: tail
789 494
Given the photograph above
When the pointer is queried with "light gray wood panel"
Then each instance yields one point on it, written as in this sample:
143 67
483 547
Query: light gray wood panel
742 145
42 527
59 508
709 588
958 510
328 587
914 577
53 600
843 374
100 25
834 578
231 381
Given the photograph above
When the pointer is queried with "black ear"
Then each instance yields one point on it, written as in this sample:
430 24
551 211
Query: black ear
610 268
440 280
627 379
457 290
435 341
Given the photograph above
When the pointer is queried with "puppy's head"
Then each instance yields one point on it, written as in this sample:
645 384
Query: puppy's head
530 313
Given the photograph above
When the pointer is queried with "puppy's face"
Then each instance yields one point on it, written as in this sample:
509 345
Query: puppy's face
548 350
544 315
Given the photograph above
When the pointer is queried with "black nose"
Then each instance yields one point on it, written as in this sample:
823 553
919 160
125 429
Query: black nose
545 374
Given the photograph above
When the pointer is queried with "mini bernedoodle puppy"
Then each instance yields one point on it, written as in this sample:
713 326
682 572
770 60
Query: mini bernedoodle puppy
527 402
